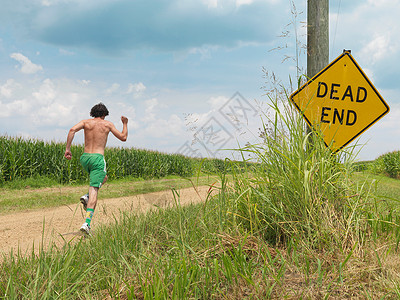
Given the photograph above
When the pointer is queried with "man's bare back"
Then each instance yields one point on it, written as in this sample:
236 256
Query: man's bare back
96 135
96 132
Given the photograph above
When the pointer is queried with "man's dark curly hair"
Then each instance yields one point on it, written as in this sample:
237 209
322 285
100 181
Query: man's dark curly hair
99 110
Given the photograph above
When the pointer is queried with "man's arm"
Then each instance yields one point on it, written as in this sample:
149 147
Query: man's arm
70 137
121 135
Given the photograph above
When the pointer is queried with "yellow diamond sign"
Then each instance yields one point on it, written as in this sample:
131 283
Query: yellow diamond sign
340 101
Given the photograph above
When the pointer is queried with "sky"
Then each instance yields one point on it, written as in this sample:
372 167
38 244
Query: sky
189 75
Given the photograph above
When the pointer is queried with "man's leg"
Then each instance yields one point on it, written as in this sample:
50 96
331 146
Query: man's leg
91 206
96 166
93 191
85 198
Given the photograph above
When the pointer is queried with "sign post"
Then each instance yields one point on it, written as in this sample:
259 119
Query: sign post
340 102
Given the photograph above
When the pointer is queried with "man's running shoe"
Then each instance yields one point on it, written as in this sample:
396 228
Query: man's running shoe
85 228
84 200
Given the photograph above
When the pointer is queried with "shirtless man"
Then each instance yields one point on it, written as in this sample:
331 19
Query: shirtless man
96 132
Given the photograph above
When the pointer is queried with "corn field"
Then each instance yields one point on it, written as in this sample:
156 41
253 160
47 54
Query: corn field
23 158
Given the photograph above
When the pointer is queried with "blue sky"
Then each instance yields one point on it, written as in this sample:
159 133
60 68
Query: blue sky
173 67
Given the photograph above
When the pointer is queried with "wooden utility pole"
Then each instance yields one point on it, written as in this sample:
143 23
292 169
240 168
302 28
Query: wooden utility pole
317 37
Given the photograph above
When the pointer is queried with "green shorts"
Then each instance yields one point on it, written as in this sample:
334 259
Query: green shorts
95 165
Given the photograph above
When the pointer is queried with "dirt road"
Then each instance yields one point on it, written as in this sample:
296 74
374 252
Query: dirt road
26 230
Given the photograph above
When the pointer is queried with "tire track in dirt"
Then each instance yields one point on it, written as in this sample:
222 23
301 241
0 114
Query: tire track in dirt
27 230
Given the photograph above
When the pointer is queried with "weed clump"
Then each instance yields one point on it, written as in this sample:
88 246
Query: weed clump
298 189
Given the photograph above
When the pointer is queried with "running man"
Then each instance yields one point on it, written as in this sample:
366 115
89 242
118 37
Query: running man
96 132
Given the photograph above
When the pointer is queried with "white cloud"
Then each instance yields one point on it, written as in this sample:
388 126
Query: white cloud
46 93
370 74
378 48
195 120
62 103
7 89
162 128
391 120
114 87
48 3
217 102
204 51
211 3
374 31
136 88
151 104
66 52
42 107
54 114
243 2
49 103
150 115
27 67
14 108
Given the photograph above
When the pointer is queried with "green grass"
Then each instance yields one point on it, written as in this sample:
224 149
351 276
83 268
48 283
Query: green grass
14 200
384 186
195 252
299 224
30 182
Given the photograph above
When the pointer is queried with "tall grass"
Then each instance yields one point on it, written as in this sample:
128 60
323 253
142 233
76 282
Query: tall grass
300 192
24 158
